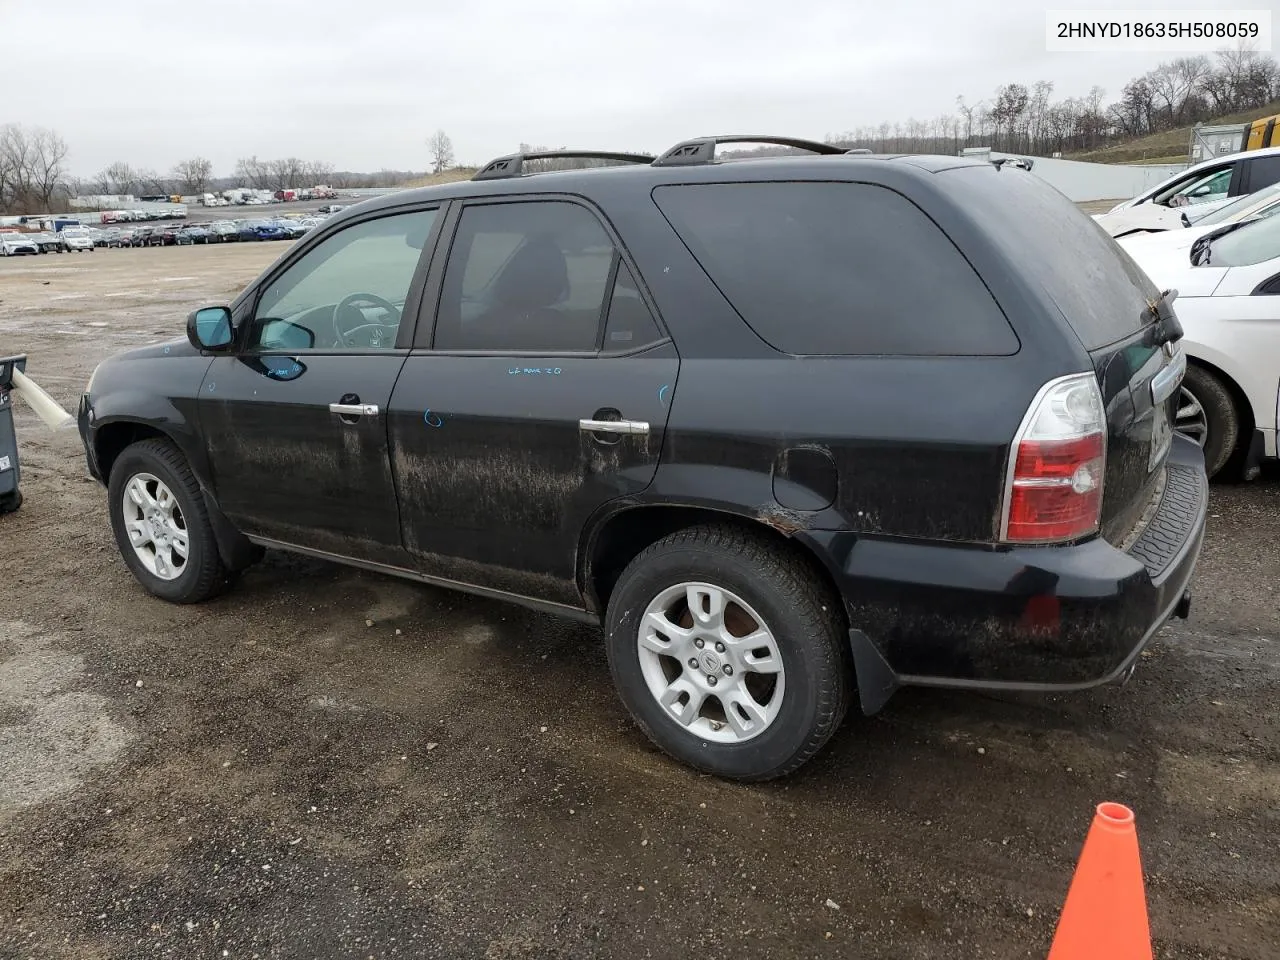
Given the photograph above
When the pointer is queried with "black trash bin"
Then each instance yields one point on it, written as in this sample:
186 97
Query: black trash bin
10 473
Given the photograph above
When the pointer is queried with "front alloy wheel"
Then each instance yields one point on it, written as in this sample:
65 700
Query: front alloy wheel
157 530
711 662
161 523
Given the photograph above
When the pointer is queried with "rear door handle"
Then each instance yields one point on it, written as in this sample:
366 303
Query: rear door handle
354 409
631 427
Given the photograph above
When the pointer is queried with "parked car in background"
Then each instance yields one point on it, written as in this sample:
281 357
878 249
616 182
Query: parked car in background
1206 186
962 472
1228 282
224 231
1260 203
262 230
48 242
77 239
118 237
292 227
194 233
17 244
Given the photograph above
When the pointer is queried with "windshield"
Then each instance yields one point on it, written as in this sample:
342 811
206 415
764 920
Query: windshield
1252 243
1244 207
75 232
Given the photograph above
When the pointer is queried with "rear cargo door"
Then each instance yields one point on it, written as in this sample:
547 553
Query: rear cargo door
1139 383
1105 298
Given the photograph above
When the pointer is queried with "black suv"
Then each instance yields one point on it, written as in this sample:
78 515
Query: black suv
787 428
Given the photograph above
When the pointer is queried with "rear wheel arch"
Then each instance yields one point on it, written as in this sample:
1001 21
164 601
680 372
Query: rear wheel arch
622 536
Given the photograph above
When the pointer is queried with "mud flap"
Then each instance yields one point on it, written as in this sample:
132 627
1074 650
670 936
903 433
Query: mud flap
235 549
876 680
1253 456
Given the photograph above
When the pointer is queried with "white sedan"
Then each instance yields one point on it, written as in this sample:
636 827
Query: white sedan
1228 283
1196 190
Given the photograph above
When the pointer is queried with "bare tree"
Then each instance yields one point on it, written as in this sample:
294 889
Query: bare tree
316 172
118 178
194 175
441 149
254 172
151 182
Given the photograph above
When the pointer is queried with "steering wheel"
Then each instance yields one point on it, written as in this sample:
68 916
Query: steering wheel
376 334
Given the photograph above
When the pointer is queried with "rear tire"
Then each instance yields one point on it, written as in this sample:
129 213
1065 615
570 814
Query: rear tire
149 468
798 653
1207 414
10 502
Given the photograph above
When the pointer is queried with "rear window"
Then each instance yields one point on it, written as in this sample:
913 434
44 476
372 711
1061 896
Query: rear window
821 268
1102 293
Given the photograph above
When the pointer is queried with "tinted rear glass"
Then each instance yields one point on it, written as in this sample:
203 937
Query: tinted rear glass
1099 289
837 269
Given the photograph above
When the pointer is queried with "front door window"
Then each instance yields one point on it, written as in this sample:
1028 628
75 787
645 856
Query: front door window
347 293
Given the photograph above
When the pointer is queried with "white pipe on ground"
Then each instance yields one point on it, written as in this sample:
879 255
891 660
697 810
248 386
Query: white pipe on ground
45 406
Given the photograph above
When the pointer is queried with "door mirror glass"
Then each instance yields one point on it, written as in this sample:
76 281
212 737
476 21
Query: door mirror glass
285 335
209 328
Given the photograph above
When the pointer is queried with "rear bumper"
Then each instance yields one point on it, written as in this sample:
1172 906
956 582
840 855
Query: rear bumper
1034 618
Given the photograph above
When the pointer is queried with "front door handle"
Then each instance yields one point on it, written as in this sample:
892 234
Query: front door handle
354 409
630 427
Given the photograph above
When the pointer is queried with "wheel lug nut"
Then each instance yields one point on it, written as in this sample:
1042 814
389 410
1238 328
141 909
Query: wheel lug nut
699 643
719 647
728 670
693 662
711 679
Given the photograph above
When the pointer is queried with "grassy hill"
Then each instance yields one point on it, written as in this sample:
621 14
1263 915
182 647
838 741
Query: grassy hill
1167 147
448 176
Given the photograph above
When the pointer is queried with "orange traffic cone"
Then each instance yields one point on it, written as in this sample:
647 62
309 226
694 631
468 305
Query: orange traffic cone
1105 916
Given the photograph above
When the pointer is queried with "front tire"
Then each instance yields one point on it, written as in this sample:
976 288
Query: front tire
1207 414
728 653
161 524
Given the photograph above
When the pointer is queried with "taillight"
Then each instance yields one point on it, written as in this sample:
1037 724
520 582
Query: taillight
1057 464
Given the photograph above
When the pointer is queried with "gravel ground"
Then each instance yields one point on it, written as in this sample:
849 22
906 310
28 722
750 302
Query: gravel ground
327 763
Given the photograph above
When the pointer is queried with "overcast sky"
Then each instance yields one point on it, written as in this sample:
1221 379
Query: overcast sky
362 83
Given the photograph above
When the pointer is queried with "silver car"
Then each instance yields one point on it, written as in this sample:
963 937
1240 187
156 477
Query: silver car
12 244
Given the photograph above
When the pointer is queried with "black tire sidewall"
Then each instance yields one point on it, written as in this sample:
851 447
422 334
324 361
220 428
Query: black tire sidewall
142 459
797 641
1220 415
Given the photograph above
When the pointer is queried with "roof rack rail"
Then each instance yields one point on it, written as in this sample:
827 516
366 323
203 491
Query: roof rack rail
702 150
513 165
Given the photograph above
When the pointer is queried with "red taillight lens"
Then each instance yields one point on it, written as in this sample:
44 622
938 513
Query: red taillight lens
1055 484
1057 489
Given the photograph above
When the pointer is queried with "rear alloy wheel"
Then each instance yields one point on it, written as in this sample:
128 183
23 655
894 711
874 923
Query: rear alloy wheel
728 653
1207 415
711 662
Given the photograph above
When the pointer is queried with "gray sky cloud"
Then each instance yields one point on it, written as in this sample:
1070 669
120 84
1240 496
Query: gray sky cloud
362 85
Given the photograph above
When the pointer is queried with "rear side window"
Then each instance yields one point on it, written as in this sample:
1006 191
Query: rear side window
525 276
1100 291
1263 172
837 269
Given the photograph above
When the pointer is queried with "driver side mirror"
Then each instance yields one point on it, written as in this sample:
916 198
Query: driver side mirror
209 328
